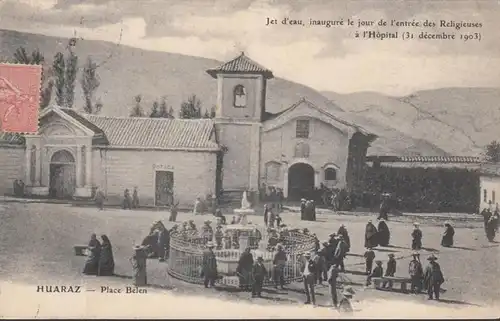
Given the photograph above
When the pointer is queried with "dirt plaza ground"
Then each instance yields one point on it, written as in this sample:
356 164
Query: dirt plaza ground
36 247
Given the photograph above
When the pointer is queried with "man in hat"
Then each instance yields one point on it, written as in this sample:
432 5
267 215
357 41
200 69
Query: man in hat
135 198
266 214
209 266
416 243
326 258
219 236
416 273
163 242
259 273
345 304
303 209
343 231
369 257
308 270
391 270
377 272
433 278
138 261
341 253
279 263
384 207
333 274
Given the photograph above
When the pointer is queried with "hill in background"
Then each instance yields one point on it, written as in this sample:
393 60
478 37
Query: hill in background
126 72
460 121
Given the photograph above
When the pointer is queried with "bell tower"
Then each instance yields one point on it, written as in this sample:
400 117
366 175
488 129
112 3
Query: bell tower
241 98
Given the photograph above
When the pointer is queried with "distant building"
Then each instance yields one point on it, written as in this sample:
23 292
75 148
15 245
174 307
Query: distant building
242 148
490 186
426 183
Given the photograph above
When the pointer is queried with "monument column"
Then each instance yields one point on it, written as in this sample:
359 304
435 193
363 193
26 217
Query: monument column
88 167
27 165
78 166
38 166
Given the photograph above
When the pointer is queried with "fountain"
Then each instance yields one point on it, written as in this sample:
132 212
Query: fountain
244 210
186 255
244 229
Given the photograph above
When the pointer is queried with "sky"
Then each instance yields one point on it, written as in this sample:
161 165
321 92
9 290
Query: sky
327 59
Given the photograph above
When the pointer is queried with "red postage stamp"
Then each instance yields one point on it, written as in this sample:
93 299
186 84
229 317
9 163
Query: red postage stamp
19 97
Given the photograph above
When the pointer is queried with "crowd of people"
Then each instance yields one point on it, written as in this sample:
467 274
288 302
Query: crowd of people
323 264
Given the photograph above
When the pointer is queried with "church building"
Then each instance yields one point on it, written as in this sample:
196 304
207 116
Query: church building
177 160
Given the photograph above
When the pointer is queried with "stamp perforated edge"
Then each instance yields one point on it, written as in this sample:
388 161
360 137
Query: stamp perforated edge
15 64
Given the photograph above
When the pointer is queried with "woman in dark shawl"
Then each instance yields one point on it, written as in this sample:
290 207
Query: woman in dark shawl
371 235
449 232
106 261
384 235
92 263
244 270
491 227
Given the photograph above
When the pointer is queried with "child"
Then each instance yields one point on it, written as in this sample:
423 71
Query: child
378 272
391 269
369 257
345 302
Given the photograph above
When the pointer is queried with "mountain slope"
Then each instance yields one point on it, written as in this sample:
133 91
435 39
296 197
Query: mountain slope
125 72
460 121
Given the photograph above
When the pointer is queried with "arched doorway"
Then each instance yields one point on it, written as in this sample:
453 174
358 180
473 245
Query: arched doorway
300 181
62 175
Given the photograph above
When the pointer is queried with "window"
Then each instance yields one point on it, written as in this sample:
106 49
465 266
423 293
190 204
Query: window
485 196
240 96
302 129
330 174
301 150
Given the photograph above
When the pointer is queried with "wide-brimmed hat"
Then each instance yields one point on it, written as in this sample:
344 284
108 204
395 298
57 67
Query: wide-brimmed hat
447 223
378 262
432 257
138 247
369 221
390 255
381 220
210 244
325 243
416 223
348 291
302 199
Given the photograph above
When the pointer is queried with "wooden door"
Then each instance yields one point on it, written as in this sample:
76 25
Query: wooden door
164 186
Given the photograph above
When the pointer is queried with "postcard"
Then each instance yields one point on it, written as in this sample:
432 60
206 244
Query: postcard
249 159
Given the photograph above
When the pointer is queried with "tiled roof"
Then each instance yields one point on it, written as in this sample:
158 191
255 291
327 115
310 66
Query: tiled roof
427 159
440 159
241 64
138 132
